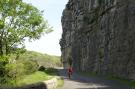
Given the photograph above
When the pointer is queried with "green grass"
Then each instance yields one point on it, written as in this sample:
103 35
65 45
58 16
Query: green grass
38 76
35 77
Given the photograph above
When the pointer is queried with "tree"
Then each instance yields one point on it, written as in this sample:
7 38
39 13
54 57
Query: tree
19 21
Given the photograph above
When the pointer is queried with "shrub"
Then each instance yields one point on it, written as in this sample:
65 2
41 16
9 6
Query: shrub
3 72
17 70
41 68
30 66
3 62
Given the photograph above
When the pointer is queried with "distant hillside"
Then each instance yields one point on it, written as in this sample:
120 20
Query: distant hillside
42 59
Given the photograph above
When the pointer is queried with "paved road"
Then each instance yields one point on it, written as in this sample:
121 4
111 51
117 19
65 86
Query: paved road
82 82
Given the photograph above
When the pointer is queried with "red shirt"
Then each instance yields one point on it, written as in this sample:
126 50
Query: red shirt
70 70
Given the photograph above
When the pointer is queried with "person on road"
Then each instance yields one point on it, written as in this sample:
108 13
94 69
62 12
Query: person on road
70 72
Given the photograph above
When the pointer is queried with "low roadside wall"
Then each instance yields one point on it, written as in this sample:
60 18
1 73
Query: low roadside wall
49 84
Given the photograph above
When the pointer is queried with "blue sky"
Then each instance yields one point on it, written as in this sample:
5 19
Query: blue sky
52 13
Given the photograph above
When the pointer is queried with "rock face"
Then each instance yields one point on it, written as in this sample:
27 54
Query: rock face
99 36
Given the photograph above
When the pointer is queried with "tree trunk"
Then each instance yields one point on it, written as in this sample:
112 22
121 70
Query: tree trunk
7 49
1 51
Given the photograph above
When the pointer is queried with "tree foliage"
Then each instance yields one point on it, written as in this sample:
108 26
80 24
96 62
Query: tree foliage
19 21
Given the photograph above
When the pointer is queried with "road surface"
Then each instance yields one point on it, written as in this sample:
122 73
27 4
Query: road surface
82 82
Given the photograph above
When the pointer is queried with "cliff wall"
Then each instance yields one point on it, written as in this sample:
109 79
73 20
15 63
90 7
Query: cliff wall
99 36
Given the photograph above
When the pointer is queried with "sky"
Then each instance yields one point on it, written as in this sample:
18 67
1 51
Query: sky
49 43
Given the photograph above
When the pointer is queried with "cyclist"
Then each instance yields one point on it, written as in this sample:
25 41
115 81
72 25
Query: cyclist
70 72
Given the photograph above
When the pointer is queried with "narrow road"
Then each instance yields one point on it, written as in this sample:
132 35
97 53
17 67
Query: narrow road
82 82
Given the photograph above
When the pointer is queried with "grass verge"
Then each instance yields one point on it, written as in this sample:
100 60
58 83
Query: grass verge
38 76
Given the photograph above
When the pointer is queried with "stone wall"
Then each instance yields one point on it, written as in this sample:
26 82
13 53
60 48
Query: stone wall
99 36
32 86
48 84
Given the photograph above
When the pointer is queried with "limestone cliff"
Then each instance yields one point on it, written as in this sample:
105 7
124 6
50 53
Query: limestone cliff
99 36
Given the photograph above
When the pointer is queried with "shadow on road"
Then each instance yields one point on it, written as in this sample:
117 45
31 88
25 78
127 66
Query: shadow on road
90 82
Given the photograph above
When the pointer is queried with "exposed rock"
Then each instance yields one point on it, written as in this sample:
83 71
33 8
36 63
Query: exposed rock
99 36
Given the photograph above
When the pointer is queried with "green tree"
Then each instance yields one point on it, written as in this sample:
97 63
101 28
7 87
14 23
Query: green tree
19 21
